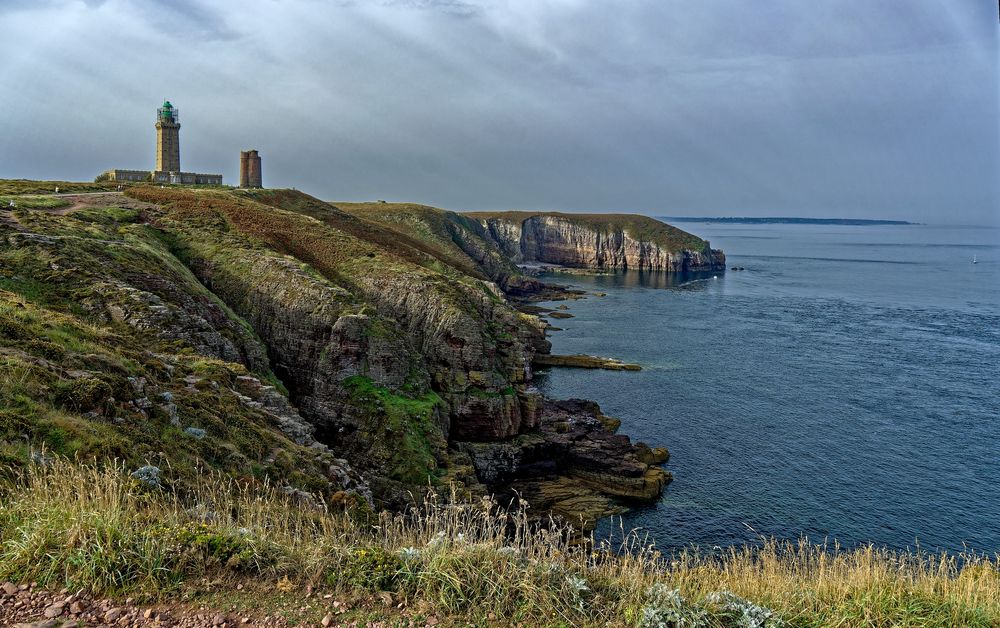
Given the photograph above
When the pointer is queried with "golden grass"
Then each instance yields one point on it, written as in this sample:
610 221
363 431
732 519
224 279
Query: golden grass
85 525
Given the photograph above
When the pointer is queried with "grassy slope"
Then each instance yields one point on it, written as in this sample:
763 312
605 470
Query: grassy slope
337 245
413 249
13 187
65 364
453 237
231 229
463 564
642 228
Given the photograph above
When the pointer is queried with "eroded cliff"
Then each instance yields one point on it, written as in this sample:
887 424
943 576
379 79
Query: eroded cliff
605 241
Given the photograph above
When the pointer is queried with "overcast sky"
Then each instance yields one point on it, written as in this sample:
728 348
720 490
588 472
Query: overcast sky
871 108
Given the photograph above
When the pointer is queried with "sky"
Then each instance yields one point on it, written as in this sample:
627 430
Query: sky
832 108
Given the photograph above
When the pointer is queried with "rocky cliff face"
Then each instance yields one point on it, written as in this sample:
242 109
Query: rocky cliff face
121 353
403 360
593 241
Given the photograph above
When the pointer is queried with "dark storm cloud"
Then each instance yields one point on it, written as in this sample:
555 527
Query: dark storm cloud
831 107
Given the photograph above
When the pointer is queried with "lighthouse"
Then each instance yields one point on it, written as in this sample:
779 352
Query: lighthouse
168 144
168 157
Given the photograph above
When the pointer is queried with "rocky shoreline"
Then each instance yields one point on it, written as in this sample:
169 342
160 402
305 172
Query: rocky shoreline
575 466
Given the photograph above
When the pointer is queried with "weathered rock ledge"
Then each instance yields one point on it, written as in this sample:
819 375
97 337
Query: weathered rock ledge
584 362
574 466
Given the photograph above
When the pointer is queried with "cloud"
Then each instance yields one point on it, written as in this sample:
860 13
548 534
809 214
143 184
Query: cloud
831 107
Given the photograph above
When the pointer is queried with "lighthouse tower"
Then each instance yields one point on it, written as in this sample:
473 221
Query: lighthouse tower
168 157
168 145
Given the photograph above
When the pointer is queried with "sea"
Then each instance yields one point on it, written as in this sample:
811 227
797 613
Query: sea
844 388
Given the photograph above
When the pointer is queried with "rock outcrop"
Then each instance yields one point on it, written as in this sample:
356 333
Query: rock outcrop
574 465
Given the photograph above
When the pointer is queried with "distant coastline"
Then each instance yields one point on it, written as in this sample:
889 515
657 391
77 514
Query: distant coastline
776 220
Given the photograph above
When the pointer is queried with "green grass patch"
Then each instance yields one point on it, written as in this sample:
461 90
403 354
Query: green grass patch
406 427
107 215
11 187
34 202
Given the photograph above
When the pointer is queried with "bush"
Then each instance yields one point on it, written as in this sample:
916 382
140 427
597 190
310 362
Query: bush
368 568
200 546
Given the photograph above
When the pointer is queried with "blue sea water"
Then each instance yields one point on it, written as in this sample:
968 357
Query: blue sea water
845 386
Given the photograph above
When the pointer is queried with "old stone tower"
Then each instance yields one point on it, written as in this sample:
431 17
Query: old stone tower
250 176
168 145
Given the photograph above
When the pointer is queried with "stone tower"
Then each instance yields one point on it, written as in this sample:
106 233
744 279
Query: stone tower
168 144
250 176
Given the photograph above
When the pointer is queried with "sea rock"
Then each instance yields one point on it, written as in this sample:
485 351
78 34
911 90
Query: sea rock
584 362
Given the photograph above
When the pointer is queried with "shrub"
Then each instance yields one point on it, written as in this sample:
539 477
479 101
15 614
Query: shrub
368 568
200 546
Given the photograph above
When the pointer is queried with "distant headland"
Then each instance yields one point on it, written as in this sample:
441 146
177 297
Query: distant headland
779 220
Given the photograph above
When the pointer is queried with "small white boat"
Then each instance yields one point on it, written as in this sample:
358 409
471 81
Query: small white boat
974 260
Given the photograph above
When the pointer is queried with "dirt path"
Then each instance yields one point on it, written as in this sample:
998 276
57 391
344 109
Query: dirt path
29 606
89 199
8 219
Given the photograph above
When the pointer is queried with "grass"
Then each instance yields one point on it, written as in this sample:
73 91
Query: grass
14 187
466 563
417 246
449 236
34 202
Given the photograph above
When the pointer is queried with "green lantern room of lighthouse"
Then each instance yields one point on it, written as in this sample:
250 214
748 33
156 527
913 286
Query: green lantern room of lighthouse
167 113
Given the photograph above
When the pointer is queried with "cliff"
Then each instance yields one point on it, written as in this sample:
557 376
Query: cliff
606 241
267 334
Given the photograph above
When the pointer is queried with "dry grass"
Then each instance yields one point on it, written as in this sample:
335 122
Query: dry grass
90 526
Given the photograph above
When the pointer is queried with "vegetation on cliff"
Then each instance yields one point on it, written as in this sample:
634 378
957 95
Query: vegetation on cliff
13 187
452 235
110 348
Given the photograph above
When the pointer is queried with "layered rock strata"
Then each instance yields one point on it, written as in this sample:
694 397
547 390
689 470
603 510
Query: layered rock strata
594 241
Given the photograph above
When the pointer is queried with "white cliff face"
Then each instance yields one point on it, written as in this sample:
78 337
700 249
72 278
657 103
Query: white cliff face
507 235
557 240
